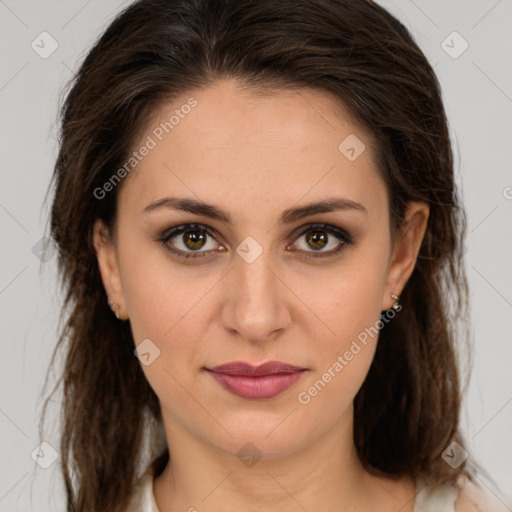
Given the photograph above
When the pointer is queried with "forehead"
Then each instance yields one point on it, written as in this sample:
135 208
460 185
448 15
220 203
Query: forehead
235 146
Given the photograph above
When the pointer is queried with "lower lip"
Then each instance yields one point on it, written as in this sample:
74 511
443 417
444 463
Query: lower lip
264 386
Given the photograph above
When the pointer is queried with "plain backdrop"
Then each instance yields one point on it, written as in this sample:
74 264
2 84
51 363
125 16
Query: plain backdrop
469 44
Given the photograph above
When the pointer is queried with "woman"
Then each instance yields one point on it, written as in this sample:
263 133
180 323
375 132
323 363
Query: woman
260 236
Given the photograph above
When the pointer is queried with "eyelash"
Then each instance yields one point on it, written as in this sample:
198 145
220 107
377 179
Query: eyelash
345 238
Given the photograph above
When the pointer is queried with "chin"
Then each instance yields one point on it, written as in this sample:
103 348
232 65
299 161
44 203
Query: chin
264 438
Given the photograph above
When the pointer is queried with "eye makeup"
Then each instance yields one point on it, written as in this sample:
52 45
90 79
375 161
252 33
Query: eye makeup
321 233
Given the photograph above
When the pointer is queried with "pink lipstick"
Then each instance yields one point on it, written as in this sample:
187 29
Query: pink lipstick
256 382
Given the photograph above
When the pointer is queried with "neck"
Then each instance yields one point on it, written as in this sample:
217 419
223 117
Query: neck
202 477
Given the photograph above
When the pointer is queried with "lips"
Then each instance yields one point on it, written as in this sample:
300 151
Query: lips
256 382
268 368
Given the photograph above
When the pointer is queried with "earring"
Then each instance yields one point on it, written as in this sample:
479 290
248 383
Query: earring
396 298
111 303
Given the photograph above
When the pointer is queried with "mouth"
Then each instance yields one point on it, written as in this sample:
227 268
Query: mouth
256 382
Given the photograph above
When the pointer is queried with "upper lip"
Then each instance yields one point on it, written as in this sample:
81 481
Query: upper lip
268 368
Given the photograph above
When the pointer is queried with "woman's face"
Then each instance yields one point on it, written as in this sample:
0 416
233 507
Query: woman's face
265 285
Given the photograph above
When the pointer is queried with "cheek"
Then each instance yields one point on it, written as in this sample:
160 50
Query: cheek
164 310
347 302
159 294
344 355
168 306
349 307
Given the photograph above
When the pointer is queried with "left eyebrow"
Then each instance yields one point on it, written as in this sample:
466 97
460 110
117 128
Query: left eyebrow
288 216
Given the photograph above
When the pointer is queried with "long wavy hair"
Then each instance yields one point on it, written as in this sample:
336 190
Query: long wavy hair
407 410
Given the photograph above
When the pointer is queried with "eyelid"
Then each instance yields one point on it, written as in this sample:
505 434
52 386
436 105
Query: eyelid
182 228
330 228
343 235
178 229
340 233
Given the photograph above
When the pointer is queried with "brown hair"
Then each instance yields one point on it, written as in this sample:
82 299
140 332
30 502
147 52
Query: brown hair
407 410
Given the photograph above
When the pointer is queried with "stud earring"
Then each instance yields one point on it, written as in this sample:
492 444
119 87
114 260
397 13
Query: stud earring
111 303
396 298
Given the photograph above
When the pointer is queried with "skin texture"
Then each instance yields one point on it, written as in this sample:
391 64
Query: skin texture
256 156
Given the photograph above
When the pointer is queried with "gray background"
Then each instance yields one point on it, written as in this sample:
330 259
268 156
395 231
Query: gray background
477 89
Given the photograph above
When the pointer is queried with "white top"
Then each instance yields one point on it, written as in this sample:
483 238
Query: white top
441 500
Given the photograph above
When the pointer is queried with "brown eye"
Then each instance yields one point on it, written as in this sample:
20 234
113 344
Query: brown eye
187 239
316 239
194 239
322 236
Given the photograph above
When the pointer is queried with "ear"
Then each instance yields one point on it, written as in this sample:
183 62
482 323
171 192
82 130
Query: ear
405 250
109 269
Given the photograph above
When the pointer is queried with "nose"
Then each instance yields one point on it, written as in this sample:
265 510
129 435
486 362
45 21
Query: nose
256 306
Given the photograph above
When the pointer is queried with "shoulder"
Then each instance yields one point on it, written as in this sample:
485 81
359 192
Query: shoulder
473 498
142 498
